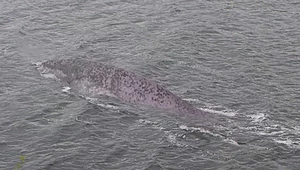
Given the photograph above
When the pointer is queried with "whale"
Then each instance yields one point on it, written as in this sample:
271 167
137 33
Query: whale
93 78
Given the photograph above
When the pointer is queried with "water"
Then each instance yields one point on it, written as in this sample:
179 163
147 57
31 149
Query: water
238 59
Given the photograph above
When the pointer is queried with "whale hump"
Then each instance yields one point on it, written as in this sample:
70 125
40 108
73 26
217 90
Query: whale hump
94 78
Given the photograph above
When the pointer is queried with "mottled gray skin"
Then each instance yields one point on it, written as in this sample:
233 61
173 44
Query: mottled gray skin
94 78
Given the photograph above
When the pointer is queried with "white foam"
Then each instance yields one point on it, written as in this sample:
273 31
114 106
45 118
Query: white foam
233 142
202 130
259 117
213 109
143 121
89 99
66 89
108 106
95 101
228 112
49 75
192 100
199 129
270 133
296 129
173 139
154 124
37 64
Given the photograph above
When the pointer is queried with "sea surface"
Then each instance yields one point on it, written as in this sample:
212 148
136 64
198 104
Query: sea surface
237 59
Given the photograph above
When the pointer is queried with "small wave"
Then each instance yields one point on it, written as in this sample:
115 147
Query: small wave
288 142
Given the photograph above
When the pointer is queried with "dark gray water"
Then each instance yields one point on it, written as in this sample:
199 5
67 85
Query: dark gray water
240 60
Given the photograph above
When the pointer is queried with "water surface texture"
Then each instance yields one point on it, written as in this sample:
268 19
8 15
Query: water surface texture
239 60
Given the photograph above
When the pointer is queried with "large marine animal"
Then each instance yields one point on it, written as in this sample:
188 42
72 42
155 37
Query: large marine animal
94 78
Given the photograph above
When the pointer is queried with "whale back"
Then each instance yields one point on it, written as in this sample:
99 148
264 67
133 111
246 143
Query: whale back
94 78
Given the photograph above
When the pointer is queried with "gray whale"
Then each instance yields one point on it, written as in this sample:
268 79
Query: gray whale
94 78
